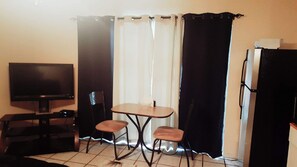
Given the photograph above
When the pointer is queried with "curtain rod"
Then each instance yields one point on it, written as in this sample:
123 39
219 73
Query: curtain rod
134 17
238 15
214 15
151 17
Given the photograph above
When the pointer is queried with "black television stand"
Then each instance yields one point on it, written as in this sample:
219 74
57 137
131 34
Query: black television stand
42 113
55 132
44 106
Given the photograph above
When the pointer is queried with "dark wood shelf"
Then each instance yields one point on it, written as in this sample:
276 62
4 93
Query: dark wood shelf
41 146
36 130
42 138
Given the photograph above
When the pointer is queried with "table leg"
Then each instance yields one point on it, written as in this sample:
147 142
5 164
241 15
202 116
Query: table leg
140 137
142 130
138 141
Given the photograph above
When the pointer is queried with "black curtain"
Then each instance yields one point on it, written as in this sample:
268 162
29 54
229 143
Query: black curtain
95 66
204 69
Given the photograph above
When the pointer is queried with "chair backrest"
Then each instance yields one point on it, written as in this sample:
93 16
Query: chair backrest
188 120
96 97
97 103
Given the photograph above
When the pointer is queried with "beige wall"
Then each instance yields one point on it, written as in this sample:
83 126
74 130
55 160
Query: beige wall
41 31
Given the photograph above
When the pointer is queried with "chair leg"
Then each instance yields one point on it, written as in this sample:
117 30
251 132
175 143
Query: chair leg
115 146
101 138
189 145
159 147
127 135
153 151
188 163
87 150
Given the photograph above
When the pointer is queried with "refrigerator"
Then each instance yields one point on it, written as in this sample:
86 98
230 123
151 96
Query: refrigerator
268 95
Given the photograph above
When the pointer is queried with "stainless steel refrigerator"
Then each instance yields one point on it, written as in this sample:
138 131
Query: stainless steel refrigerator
268 104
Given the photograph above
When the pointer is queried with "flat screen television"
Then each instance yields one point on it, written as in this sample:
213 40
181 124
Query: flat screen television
41 82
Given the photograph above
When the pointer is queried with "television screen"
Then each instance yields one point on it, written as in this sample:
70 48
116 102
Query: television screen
38 81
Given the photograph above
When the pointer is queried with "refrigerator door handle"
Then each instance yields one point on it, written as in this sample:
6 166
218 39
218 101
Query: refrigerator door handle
243 69
242 83
241 98
241 94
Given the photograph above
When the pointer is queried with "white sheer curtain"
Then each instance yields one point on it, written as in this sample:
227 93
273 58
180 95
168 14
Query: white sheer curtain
147 66
132 65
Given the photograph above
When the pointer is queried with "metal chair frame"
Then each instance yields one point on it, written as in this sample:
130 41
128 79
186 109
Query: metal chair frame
181 142
97 97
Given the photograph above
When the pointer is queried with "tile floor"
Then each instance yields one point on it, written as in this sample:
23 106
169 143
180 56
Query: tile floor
103 155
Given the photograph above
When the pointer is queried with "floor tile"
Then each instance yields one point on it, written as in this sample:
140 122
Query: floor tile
92 142
90 165
82 146
103 156
171 160
55 161
97 148
100 160
65 156
126 163
143 164
197 163
82 158
109 151
193 163
148 156
210 164
163 166
133 156
73 164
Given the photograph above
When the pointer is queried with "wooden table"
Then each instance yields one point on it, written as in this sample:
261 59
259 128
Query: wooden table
145 111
